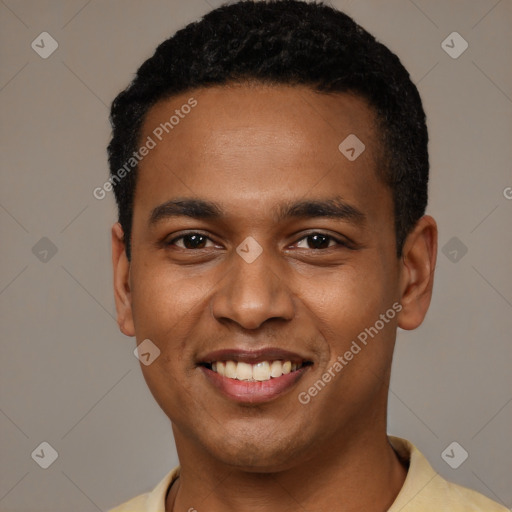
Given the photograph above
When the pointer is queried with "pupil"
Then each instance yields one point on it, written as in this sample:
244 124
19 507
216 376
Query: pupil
195 241
323 243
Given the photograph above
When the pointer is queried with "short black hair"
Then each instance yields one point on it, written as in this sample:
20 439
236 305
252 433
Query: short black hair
289 42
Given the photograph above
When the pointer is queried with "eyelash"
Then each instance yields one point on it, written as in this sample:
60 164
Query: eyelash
330 237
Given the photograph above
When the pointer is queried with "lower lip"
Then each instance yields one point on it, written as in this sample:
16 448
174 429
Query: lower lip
254 392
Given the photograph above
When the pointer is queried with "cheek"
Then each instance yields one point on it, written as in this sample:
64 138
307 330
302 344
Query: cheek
169 390
163 299
169 376
347 307
351 295
165 311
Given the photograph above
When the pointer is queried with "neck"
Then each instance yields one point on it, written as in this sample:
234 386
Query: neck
363 474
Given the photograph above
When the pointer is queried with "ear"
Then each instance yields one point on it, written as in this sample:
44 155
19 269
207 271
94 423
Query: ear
122 292
417 267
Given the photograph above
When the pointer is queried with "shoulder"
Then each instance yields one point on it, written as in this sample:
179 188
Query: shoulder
448 493
137 504
425 490
153 501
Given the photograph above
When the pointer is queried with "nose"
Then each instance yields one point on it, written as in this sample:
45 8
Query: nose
252 293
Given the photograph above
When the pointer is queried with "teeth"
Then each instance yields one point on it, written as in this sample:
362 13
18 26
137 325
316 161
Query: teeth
230 369
276 369
243 371
262 371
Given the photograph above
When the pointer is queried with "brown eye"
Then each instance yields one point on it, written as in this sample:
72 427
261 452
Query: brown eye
319 241
191 241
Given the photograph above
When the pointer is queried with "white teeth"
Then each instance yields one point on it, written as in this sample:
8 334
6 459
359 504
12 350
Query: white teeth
243 371
276 369
262 371
230 369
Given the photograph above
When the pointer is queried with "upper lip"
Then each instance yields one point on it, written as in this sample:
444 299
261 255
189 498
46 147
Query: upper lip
252 356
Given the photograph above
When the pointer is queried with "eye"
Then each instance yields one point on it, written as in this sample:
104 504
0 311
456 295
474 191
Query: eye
320 241
191 241
314 241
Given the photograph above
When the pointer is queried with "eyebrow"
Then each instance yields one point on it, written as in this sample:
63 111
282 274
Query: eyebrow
335 208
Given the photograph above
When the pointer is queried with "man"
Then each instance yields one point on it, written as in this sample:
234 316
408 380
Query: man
270 166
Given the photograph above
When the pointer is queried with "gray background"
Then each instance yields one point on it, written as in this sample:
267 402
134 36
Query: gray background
68 377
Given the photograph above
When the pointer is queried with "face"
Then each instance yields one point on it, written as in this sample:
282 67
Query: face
258 249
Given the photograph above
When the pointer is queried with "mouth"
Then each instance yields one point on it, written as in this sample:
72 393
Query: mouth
254 376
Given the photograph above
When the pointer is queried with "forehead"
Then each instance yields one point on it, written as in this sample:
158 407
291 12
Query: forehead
262 114
258 143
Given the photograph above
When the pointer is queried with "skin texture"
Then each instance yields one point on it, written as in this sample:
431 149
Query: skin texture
250 148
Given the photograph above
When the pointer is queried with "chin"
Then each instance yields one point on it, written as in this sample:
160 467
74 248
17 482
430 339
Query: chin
258 453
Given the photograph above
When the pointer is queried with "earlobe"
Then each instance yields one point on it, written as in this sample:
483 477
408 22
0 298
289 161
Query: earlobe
122 294
417 273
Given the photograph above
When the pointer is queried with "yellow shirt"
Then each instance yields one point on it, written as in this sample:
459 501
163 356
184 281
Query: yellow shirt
423 490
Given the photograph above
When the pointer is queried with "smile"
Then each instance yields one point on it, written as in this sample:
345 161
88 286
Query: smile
258 372
253 376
